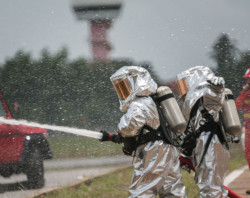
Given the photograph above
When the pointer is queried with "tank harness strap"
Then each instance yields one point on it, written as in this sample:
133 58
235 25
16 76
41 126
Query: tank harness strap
229 97
206 148
223 135
192 114
151 136
206 125
209 125
132 143
189 141
165 97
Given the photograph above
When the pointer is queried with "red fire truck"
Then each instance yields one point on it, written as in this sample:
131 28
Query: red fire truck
22 149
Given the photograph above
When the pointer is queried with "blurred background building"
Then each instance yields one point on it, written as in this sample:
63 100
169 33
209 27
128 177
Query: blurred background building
100 15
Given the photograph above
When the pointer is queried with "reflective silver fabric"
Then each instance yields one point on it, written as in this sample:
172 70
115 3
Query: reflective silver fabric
210 175
140 81
142 111
197 78
157 171
157 168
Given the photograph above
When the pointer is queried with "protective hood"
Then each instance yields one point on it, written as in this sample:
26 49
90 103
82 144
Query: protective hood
130 82
197 86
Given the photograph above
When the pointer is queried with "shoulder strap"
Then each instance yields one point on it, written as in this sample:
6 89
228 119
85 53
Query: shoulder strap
151 136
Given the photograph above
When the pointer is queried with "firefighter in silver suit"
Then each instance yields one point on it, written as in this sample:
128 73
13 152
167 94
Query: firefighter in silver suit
156 167
203 97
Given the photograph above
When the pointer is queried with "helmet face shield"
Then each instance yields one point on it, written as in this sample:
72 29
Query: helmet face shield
122 87
183 88
130 82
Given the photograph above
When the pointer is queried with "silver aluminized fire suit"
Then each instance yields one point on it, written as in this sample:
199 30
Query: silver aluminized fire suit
206 92
157 166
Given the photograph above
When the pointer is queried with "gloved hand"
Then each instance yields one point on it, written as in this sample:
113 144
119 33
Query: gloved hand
129 145
105 137
117 138
217 81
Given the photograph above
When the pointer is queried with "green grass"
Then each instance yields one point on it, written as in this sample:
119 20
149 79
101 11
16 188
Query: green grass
73 146
237 157
191 189
110 186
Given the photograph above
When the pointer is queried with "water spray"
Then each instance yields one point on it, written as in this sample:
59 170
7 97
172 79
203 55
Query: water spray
76 131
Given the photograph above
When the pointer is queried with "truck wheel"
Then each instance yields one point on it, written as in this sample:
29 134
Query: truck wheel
35 169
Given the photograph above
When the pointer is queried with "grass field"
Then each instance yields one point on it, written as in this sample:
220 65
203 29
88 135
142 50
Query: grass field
74 146
116 184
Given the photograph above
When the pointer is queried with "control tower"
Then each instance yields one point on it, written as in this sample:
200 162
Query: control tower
100 14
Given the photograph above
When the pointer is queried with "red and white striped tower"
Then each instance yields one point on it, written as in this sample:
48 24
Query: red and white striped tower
100 14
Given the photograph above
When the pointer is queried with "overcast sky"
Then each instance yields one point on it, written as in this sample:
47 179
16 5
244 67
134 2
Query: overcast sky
172 35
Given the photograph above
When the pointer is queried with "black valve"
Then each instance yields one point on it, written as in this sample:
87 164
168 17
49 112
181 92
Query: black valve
235 139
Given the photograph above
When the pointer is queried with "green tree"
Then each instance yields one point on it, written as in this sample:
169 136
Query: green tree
52 89
226 56
231 63
243 65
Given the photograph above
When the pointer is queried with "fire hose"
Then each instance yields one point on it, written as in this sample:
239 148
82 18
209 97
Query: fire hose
76 131
101 136
187 163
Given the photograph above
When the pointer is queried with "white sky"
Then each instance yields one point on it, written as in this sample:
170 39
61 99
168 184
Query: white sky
172 35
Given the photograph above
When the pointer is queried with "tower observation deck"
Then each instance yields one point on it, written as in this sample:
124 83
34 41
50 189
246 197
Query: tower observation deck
100 14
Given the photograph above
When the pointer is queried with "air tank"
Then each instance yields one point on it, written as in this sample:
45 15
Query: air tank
230 115
171 109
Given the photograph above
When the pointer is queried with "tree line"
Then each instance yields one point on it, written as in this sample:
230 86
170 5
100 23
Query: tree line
53 89
232 62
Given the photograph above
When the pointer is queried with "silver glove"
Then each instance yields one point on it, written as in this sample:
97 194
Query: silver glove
217 81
